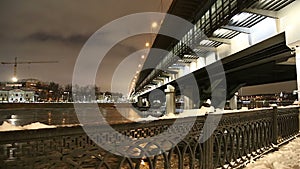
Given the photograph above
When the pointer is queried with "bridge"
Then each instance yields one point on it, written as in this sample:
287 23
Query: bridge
262 63
254 41
227 33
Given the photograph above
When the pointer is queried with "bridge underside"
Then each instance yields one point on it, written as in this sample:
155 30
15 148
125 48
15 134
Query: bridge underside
213 18
263 63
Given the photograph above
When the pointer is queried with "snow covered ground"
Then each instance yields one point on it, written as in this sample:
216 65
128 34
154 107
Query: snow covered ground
9 127
185 113
200 112
6 126
288 157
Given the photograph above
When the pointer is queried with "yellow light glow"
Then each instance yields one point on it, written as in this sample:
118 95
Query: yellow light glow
147 44
140 65
14 79
143 56
154 25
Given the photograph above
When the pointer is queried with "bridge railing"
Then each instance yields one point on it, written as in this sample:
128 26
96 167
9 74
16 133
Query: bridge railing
241 137
238 139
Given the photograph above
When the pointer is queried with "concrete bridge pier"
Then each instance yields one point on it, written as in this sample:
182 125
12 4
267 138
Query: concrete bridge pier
233 102
142 102
170 100
188 96
298 70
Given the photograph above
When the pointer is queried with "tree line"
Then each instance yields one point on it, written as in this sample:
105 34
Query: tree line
53 92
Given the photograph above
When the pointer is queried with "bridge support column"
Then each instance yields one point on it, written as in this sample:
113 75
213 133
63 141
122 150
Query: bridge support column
298 71
188 101
170 100
140 102
233 102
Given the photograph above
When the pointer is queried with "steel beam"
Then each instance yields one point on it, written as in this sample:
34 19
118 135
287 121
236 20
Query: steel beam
157 79
150 86
178 66
222 40
238 29
172 71
153 83
267 13
206 48
182 63
166 75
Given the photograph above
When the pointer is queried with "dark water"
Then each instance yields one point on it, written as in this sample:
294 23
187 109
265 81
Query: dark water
65 116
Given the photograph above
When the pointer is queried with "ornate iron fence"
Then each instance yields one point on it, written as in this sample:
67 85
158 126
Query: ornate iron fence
238 138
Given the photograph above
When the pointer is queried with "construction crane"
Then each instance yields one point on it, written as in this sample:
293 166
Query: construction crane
15 63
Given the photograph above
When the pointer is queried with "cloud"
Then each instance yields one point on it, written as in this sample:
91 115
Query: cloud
56 30
46 36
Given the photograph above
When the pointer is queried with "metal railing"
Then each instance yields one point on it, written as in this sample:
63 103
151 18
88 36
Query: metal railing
238 138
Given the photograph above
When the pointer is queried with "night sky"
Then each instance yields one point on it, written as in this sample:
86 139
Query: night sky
56 30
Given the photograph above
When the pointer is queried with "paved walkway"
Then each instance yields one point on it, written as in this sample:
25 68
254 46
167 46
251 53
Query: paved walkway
288 157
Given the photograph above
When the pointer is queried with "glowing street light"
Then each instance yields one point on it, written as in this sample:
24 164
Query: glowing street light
147 44
14 79
154 24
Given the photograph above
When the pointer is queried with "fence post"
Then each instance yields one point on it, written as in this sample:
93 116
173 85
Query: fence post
208 153
208 146
298 120
275 127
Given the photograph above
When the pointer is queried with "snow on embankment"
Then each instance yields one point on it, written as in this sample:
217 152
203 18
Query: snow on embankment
288 157
185 113
9 127
197 112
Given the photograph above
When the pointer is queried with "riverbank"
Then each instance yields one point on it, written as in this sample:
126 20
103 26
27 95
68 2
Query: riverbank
56 105
288 157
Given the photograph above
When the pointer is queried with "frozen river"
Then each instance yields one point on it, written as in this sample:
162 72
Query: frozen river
61 116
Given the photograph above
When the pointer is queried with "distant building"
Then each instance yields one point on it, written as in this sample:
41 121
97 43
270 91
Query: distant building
14 85
17 92
4 95
31 83
21 95
17 95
